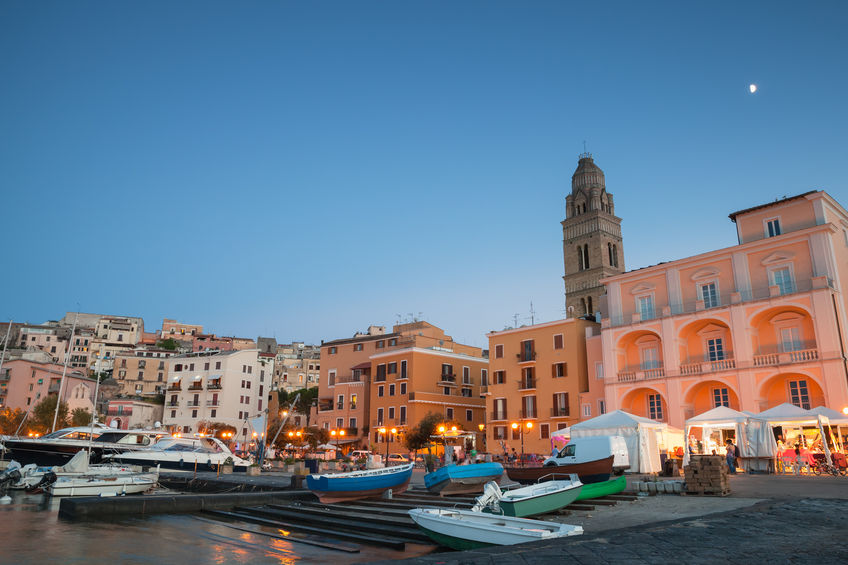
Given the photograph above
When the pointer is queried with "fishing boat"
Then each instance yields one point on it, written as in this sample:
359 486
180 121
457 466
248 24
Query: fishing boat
100 485
589 472
540 498
466 529
597 490
338 487
455 479
183 453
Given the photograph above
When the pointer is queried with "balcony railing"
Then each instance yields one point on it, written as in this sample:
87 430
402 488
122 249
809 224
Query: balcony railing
116 412
708 367
526 384
641 375
786 358
213 386
339 405
379 379
174 386
738 297
560 412
447 378
213 403
193 403
325 407
497 416
195 386
172 403
351 432
528 414
484 389
350 379
525 357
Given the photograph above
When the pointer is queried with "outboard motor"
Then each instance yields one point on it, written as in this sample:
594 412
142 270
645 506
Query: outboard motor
10 476
48 479
490 497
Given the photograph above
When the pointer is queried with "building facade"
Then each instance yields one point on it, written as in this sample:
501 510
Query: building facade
142 371
749 326
537 374
25 383
592 244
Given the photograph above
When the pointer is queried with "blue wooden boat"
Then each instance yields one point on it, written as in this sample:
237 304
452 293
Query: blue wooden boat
338 487
455 479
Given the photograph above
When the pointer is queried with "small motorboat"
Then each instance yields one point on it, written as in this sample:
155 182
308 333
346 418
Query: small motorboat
33 476
466 529
103 485
597 490
338 487
595 471
455 479
540 498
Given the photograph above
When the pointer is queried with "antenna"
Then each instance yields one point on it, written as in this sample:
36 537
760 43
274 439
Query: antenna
515 317
532 314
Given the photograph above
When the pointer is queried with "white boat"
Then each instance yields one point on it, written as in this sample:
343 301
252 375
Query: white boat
466 529
204 454
531 500
103 485
33 475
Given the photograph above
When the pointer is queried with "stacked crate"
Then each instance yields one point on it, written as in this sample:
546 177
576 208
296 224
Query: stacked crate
706 474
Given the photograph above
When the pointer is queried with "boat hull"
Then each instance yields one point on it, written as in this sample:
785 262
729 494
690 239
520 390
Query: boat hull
461 479
541 504
589 472
100 487
464 529
48 454
597 490
131 459
359 484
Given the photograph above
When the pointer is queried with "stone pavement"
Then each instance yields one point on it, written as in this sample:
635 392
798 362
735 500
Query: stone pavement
784 531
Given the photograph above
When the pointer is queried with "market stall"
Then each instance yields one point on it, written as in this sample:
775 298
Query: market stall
707 433
793 426
645 438
838 425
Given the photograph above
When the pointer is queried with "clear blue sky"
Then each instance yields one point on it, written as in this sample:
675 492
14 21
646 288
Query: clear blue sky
305 169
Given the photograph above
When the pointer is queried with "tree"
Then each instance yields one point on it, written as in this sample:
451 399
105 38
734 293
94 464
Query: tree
304 404
10 420
170 344
80 417
41 418
215 428
419 436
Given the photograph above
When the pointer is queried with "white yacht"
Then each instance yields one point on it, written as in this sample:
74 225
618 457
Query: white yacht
187 454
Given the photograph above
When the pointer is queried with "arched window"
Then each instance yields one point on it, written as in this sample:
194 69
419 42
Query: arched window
586 256
609 250
584 207
615 254
580 258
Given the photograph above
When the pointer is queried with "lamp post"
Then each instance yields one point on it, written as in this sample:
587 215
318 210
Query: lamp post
337 435
517 426
386 432
482 428
444 445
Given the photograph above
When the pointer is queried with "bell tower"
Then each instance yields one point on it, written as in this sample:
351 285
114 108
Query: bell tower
591 239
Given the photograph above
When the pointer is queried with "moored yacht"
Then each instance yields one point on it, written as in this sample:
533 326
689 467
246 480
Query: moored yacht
203 453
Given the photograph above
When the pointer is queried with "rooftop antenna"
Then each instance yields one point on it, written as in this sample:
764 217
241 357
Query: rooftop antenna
515 320
532 314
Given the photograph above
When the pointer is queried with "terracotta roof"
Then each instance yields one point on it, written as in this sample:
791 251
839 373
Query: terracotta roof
366 365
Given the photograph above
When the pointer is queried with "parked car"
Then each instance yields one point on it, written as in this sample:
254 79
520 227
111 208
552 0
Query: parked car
397 459
359 453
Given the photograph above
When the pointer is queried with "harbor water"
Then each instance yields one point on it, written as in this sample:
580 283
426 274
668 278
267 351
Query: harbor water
33 533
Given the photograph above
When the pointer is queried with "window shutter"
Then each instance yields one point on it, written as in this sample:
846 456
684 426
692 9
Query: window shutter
567 410
553 370
565 369
556 411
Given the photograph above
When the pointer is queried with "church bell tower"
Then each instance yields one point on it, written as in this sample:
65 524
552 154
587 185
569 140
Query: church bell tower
591 239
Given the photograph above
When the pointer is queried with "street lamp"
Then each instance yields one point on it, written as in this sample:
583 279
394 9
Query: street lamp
517 426
337 435
385 432
444 444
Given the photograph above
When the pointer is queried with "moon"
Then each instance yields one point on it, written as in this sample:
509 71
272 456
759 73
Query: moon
752 88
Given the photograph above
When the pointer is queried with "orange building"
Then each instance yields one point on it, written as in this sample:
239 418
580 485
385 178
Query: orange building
537 375
749 327
378 379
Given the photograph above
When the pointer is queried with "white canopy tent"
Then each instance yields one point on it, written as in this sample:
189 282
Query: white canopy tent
644 438
753 435
789 415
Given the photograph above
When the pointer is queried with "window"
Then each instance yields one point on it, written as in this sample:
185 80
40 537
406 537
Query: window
392 342
391 412
332 351
799 394
206 366
790 339
392 368
194 413
602 407
446 390
499 378
527 353
380 344
599 370
773 227
484 377
447 370
402 370
587 410
721 397
391 390
403 388
379 416
402 415
381 372
466 375
353 422
516 433
560 403
357 347
558 370
499 352
353 401
380 390
782 278
469 416
528 404
173 413
500 432
500 409
331 378
645 306
340 402
218 365
449 413
649 358
709 294
558 341
339 422
655 410
715 349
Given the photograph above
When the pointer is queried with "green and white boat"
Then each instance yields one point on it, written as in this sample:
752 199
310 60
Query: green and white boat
466 529
541 498
597 490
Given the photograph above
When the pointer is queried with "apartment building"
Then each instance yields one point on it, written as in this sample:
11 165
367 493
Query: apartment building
215 386
127 414
50 339
142 371
297 365
25 383
354 371
750 326
179 330
537 375
113 335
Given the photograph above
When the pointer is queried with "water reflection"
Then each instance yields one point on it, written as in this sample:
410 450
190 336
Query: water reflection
34 534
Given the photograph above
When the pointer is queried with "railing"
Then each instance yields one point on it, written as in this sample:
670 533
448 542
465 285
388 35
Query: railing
325 407
641 375
525 358
708 367
172 403
724 300
526 384
484 389
447 378
339 405
787 357
116 412
213 403
497 416
197 386
351 379
560 412
466 392
524 414
193 403
378 379
351 431
175 386
213 386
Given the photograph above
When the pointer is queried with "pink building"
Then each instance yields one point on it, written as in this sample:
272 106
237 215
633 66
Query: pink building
23 384
750 326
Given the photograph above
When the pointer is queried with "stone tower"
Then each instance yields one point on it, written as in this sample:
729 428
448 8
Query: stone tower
591 239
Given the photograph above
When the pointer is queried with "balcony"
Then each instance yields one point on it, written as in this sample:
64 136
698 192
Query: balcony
339 405
723 301
526 384
214 386
119 412
497 416
484 389
323 407
213 403
528 414
560 412
786 358
707 367
641 375
351 379
447 378
193 403
350 432
174 386
172 403
526 357
195 386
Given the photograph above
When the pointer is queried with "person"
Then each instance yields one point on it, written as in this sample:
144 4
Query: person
513 456
797 458
731 456
554 452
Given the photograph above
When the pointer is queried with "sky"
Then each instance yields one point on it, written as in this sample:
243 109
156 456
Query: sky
304 170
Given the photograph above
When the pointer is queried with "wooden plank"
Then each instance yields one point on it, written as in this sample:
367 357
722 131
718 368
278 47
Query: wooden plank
391 543
342 512
367 509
